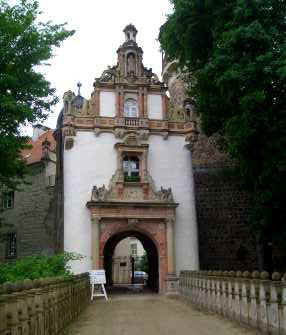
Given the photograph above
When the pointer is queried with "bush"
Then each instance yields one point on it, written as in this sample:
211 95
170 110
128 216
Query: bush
37 267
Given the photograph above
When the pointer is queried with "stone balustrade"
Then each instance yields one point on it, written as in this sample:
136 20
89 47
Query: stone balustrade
42 306
253 299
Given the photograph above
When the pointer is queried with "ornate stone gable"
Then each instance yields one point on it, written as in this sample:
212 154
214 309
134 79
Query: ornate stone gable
128 80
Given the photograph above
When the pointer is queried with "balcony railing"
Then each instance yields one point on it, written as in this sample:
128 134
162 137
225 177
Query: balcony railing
131 122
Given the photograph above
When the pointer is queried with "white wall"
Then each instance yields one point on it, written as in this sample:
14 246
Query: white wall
91 161
170 166
155 110
107 104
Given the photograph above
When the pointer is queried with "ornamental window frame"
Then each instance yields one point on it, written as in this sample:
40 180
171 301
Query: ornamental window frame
131 167
130 108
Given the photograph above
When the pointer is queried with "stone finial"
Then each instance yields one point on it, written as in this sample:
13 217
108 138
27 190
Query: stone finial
276 276
79 85
255 275
130 33
232 273
28 284
246 274
238 274
264 275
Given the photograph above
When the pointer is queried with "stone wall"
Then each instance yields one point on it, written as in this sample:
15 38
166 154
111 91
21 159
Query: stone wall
222 212
221 205
42 306
32 216
248 298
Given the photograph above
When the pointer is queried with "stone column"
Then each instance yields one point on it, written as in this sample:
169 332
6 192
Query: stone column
141 96
165 106
145 103
117 103
121 103
97 102
172 279
95 242
170 245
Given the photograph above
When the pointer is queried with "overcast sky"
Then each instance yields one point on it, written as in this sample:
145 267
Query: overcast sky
99 32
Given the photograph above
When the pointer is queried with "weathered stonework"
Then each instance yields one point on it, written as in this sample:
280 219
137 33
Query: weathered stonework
32 217
222 210
221 205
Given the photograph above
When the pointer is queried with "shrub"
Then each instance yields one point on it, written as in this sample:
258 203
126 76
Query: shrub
37 267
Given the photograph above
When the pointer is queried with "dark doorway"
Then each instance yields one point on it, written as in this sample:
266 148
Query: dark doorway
151 251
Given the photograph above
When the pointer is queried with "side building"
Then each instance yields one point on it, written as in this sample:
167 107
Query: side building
28 216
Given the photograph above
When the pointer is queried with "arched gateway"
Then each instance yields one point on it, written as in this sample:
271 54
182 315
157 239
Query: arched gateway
151 221
127 136
156 259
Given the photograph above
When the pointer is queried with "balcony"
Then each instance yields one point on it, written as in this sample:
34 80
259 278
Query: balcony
131 122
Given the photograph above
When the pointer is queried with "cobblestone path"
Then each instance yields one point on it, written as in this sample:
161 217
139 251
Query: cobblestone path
150 315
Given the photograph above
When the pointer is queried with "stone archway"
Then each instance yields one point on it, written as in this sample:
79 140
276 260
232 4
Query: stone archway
157 265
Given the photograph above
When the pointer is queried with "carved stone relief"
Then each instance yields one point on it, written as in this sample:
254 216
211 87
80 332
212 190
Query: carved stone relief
69 143
69 131
99 193
133 193
119 133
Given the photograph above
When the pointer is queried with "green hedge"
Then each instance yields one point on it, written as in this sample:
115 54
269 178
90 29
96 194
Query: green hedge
35 267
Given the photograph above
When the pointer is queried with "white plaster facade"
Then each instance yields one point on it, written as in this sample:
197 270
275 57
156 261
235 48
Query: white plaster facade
170 165
92 160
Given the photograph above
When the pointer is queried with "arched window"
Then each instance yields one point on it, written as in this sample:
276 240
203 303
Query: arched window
130 108
131 168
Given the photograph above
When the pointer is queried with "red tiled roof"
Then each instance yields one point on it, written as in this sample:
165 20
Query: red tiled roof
34 154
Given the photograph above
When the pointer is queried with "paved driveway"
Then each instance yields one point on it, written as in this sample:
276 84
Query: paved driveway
151 315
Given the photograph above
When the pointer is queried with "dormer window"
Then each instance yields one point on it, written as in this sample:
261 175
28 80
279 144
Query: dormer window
131 169
130 108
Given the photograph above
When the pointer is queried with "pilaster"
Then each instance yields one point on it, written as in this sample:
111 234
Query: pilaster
95 242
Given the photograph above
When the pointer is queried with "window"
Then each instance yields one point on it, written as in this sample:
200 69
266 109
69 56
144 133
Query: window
11 250
133 247
131 169
50 180
130 108
7 200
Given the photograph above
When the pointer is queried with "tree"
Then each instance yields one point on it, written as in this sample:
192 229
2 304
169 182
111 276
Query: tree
143 263
235 52
25 95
